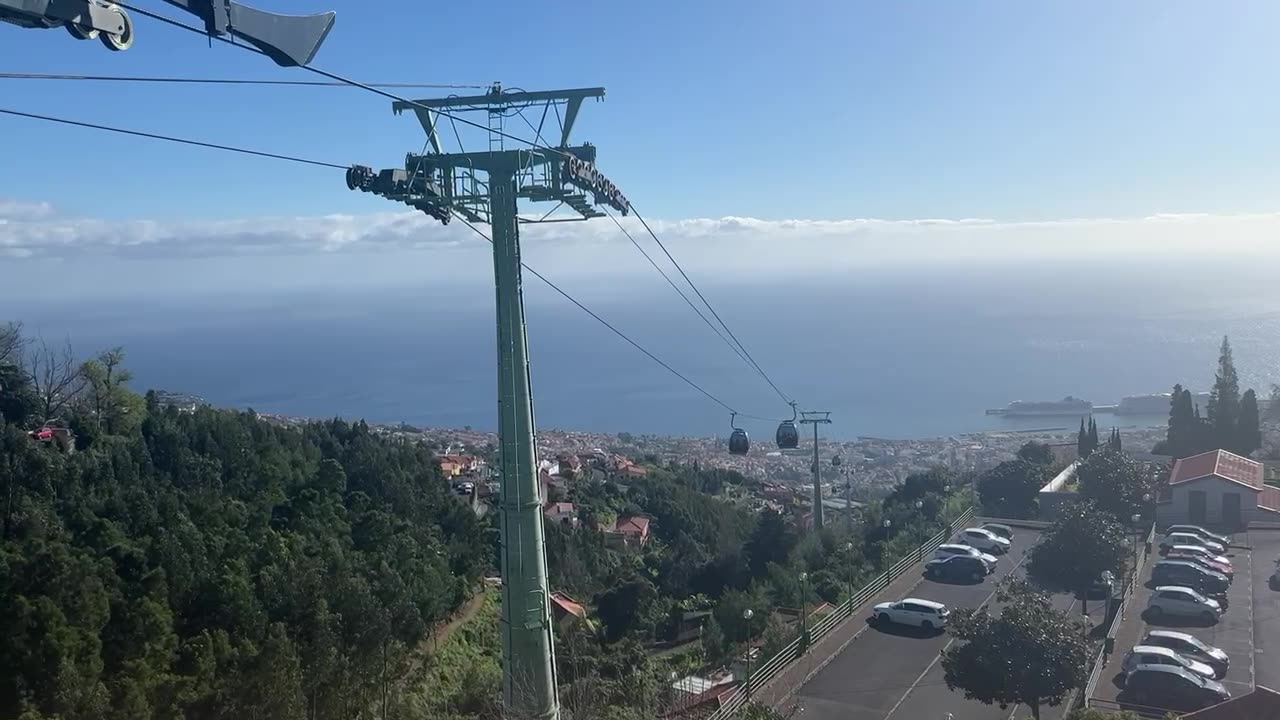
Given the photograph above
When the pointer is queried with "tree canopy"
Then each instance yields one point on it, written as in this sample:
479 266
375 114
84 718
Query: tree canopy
210 564
1036 453
1223 410
1232 420
1076 548
1011 487
1031 654
1115 483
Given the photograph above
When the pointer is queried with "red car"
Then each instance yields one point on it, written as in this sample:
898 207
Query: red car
1209 563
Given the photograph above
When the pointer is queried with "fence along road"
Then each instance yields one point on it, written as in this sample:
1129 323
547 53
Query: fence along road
876 674
775 680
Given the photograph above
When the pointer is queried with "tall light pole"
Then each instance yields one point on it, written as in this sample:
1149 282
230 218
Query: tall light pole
815 419
804 619
884 551
1137 528
848 548
747 614
484 187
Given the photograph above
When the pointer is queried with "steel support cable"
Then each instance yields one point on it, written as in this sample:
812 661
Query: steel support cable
621 334
354 83
675 287
168 138
739 350
216 81
708 304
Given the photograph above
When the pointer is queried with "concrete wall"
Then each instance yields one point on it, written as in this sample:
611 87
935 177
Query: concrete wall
1053 495
1178 508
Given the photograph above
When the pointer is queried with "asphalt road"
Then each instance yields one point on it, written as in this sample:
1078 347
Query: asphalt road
897 672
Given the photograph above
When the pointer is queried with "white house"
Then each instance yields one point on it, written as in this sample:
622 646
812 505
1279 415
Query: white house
1218 489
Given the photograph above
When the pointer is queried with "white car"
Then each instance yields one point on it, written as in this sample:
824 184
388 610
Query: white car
1153 655
1190 647
924 614
984 540
946 551
1222 540
1182 601
1178 538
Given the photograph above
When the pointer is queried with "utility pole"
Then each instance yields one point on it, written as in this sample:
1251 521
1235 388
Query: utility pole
815 419
484 187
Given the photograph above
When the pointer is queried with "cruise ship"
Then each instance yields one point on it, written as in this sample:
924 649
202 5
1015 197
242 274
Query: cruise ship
1153 404
1066 407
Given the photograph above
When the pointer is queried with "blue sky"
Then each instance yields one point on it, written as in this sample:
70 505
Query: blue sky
815 110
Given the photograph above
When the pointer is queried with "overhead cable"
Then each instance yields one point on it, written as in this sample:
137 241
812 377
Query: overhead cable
676 287
354 83
320 163
752 360
167 138
621 334
219 81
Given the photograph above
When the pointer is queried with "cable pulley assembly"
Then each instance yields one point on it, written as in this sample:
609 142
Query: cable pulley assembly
289 40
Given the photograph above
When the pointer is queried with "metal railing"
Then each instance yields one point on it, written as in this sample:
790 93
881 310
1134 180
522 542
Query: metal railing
1101 654
770 669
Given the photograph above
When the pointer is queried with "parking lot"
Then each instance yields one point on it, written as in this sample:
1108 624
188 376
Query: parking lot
1248 631
887 672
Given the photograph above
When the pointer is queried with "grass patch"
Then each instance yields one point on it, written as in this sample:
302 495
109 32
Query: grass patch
462 680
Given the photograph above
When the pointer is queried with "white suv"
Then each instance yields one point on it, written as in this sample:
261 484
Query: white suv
946 551
984 540
1183 601
925 614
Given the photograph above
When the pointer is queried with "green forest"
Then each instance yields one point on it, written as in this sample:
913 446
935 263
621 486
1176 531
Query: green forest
208 563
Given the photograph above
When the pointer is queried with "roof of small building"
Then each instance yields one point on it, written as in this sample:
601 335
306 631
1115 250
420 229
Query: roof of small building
1263 702
1218 463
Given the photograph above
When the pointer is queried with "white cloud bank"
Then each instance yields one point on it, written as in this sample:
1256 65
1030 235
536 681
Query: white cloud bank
731 245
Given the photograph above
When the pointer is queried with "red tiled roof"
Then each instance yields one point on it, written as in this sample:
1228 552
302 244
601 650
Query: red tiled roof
1269 498
568 604
1219 463
1262 703
632 526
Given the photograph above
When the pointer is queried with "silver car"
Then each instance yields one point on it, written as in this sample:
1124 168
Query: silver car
1155 655
1184 602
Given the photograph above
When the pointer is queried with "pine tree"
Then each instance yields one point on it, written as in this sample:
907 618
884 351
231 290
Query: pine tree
1082 442
1224 400
1248 431
1180 420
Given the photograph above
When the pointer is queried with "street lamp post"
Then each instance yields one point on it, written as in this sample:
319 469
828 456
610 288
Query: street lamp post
1137 528
884 550
804 620
1149 505
848 547
747 615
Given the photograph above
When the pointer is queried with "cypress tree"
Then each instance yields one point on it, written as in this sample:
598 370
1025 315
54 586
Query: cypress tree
1082 442
1093 435
1224 400
1248 430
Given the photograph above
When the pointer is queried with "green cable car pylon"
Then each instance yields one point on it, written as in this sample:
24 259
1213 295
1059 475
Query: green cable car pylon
485 186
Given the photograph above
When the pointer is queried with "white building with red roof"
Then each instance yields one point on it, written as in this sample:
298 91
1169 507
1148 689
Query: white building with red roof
1218 489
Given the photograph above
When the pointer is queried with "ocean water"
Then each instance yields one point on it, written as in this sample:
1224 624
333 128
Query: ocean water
892 354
